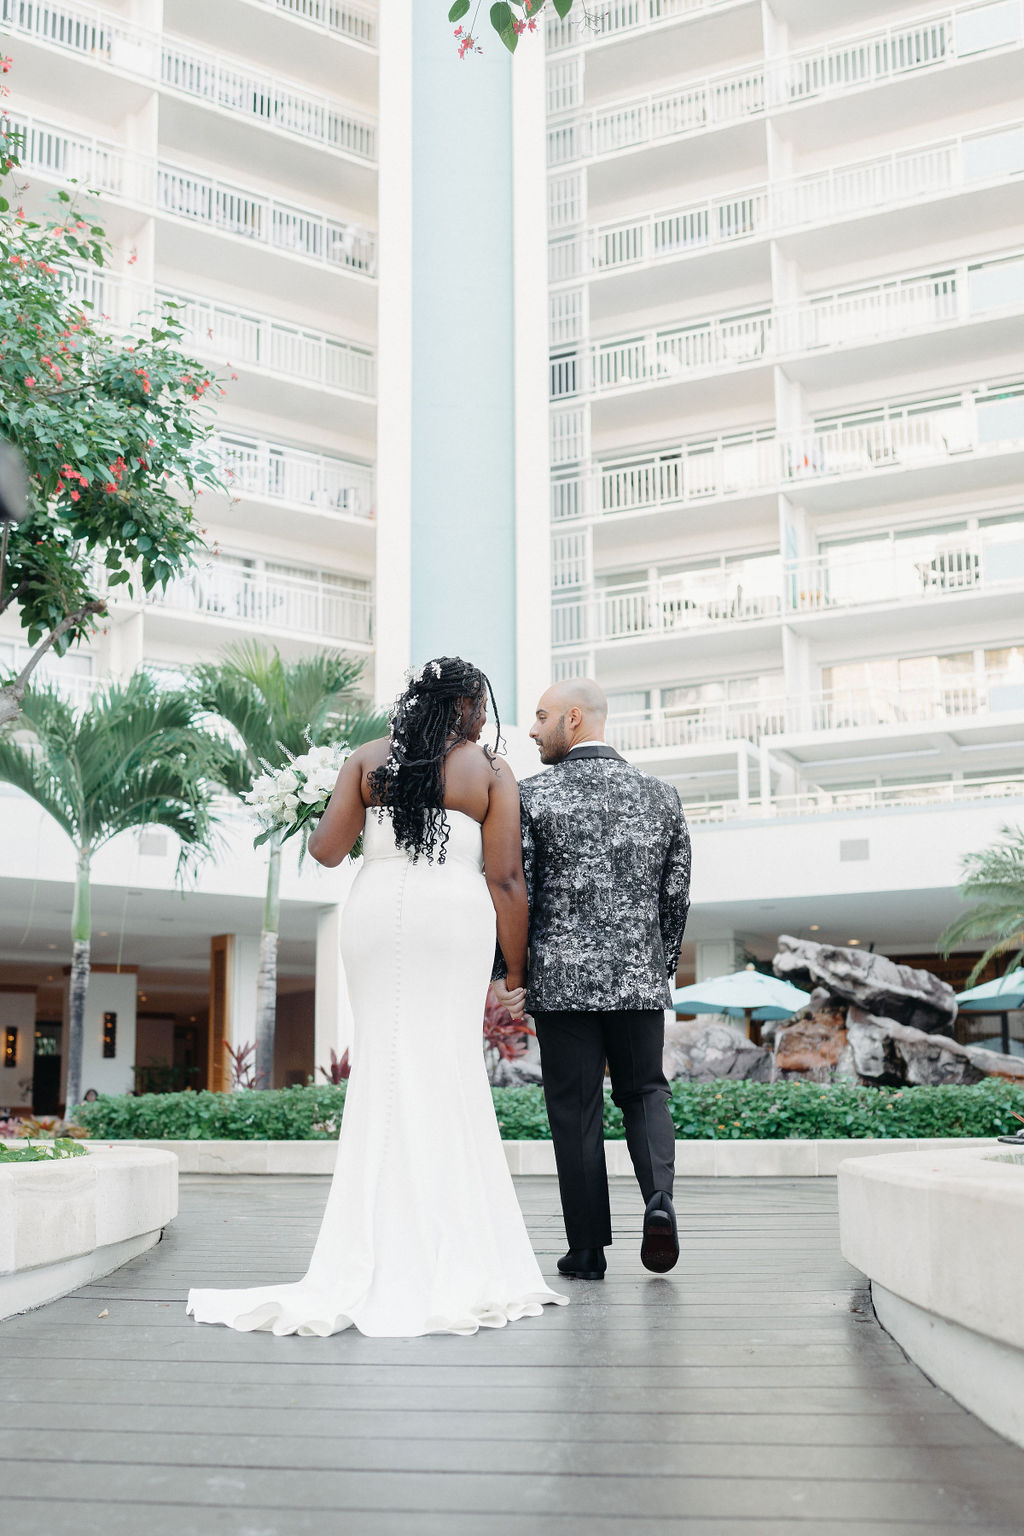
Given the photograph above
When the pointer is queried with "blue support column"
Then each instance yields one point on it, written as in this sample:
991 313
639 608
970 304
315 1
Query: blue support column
462 492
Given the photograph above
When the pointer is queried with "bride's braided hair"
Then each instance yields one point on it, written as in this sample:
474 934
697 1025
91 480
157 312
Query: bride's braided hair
426 723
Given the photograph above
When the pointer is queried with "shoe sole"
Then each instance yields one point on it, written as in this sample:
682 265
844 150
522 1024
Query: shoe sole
582 1274
660 1249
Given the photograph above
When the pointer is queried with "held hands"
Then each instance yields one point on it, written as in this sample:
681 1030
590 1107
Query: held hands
512 998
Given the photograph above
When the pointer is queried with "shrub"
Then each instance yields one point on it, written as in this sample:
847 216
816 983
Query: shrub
722 1110
281 1114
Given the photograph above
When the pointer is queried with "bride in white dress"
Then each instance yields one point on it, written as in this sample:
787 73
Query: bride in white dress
422 1232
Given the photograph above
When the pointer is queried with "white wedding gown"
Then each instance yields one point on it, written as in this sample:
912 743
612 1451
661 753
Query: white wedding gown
422 1232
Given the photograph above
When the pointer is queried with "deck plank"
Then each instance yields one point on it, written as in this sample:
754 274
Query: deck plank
750 1393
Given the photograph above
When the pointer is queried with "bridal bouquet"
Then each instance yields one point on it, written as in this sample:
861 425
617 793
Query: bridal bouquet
293 798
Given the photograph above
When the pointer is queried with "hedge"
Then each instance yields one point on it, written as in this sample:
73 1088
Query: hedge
721 1110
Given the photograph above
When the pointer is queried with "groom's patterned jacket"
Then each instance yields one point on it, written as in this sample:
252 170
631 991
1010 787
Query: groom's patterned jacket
606 855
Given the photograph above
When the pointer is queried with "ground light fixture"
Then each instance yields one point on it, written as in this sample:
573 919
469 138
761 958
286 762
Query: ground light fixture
853 941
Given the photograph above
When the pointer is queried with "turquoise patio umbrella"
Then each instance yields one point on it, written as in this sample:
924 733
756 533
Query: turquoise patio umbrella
1002 997
746 994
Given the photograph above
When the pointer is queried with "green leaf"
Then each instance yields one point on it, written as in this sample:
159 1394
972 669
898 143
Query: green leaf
563 7
501 21
4 205
458 10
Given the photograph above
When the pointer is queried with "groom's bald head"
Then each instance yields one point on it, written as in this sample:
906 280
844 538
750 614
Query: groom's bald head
569 713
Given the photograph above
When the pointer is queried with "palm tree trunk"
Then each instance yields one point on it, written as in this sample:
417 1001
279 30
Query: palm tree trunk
266 984
81 936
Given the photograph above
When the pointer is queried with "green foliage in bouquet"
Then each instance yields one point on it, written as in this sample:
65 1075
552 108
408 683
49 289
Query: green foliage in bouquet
44 1152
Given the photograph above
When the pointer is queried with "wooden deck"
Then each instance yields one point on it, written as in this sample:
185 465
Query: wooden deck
750 1393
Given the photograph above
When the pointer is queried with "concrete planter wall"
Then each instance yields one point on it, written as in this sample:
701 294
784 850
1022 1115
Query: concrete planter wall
941 1238
63 1224
694 1159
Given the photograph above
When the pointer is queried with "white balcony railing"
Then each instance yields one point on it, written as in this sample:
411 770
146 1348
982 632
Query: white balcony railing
697 725
695 471
100 35
908 435
850 63
358 23
622 16
673 605
307 481
902 435
843 191
926 567
291 108
843 802
295 606
694 108
235 336
240 337
60 155
905 304
860 709
864 710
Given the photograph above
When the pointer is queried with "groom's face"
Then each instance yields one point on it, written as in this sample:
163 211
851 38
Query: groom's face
551 734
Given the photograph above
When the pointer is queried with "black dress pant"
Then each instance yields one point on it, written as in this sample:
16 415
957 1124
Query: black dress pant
574 1048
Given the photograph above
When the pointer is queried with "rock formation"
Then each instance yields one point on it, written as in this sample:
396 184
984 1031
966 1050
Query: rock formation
703 1052
868 1020
869 981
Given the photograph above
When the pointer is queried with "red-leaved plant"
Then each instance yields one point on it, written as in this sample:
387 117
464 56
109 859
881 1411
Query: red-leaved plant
243 1065
340 1067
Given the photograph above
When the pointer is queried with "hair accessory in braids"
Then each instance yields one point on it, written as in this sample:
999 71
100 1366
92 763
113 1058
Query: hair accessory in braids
426 723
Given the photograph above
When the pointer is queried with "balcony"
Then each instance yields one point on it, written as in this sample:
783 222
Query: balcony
59 156
903 305
992 699
927 567
699 107
675 605
623 16
243 338
701 470
104 37
881 797
357 23
900 179
289 605
889 53
308 482
273 102
698 725
909 435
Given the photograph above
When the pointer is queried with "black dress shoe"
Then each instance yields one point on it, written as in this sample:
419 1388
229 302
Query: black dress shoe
583 1264
660 1248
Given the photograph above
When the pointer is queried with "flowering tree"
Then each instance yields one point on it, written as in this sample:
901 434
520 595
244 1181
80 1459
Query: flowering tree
510 20
111 429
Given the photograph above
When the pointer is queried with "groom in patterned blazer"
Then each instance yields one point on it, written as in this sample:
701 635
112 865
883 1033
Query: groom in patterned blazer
606 855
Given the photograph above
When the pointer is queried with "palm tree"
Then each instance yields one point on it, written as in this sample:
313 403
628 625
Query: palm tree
274 708
132 758
994 878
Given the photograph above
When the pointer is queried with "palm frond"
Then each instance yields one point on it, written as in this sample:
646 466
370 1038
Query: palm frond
357 727
133 757
44 767
994 881
274 707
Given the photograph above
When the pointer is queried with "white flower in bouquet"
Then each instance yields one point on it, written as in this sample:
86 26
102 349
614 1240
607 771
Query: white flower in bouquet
292 798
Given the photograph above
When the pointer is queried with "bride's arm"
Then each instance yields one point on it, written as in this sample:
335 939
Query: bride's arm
334 837
503 871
